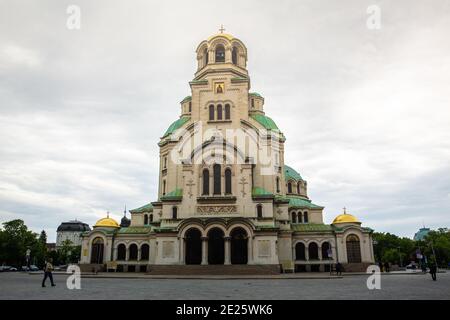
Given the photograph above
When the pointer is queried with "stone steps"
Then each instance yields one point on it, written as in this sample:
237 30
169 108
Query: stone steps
213 270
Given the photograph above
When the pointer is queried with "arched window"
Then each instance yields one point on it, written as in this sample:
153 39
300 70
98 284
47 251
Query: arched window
227 112
353 249
121 252
259 210
150 218
325 247
253 103
211 112
205 178
294 217
299 217
205 57
278 185
298 188
289 187
228 181
190 106
234 56
145 250
174 213
145 219
313 251
305 217
217 181
164 187
219 112
220 53
133 255
300 251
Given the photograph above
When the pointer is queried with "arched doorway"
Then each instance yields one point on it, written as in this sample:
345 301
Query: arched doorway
121 252
216 250
193 239
97 249
313 251
353 247
239 248
300 251
133 252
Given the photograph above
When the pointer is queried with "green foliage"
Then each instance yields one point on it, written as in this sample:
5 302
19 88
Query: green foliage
15 239
391 248
438 240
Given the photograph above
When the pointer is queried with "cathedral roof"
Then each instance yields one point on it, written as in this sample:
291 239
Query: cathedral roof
146 208
311 227
290 173
300 202
265 121
176 194
225 35
176 125
107 223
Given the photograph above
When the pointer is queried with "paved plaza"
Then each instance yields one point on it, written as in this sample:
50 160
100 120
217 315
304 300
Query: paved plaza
401 286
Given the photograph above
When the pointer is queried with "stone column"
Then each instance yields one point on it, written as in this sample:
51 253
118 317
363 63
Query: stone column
227 250
127 253
250 250
204 250
139 254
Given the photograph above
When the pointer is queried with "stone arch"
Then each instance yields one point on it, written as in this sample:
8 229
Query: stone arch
353 248
239 245
121 251
145 251
193 245
133 251
313 250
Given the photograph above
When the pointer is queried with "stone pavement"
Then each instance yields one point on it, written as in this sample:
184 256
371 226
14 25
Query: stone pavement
394 286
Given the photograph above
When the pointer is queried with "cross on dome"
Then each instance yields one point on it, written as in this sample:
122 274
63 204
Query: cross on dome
222 29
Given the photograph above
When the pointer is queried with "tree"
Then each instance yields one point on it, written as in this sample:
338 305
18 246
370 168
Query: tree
438 240
16 239
390 248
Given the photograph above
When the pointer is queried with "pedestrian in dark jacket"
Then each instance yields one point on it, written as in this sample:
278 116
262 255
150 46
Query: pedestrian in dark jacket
338 269
48 272
433 270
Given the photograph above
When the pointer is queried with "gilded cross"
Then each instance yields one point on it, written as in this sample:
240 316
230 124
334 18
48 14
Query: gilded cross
243 183
345 210
222 29
190 184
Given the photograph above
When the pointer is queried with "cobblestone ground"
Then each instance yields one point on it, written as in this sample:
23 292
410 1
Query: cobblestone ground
25 286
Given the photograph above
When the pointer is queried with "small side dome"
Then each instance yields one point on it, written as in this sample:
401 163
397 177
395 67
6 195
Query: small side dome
345 218
106 223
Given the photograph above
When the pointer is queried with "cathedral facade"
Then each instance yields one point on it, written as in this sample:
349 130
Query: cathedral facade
226 197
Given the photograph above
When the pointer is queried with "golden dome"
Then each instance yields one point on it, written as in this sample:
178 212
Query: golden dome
225 35
107 223
345 218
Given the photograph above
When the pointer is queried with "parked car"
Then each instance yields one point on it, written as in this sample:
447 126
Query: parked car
411 266
4 268
34 268
12 269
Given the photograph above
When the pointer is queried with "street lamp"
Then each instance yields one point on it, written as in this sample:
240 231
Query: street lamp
27 256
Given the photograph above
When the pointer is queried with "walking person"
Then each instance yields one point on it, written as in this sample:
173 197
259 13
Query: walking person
433 270
48 272
338 269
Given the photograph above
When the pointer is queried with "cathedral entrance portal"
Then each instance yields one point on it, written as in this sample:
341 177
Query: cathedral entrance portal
239 248
97 251
193 246
216 244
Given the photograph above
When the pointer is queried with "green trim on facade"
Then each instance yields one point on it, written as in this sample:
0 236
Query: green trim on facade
176 125
311 227
258 192
147 208
265 121
176 194
135 230
290 173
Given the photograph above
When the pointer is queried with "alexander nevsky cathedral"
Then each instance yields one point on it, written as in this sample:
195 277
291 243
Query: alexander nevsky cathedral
226 199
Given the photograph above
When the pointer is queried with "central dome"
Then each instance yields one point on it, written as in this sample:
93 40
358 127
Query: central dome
107 223
345 218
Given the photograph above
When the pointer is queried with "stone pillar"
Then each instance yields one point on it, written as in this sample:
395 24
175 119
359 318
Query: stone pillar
139 254
250 250
204 250
127 253
227 250
182 250
319 253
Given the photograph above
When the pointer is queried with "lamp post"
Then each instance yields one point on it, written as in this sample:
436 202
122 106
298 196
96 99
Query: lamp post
27 256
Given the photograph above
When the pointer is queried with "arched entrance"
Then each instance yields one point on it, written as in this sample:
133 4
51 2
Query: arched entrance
193 239
97 251
239 248
353 249
216 250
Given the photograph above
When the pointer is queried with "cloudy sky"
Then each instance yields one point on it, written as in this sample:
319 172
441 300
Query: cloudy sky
366 112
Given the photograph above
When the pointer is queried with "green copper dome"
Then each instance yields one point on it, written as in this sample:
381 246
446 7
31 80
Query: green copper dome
176 125
290 173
